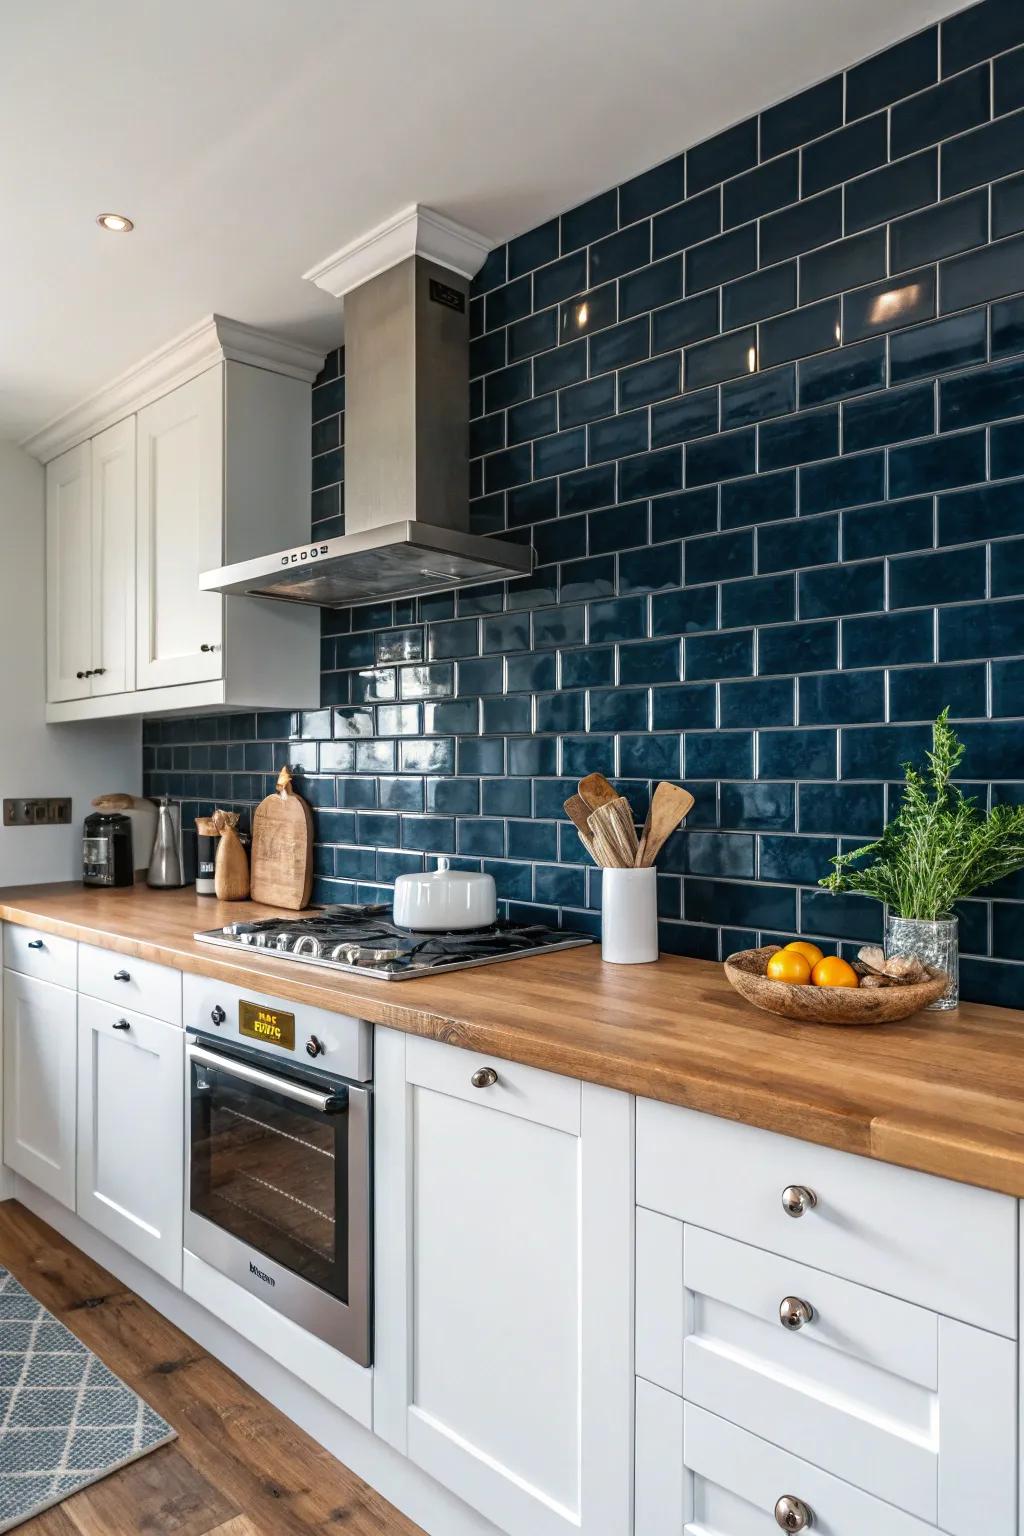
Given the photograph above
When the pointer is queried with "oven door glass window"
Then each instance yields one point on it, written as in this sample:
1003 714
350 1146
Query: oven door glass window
273 1173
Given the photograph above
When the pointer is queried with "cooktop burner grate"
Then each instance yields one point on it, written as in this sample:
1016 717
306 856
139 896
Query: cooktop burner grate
366 940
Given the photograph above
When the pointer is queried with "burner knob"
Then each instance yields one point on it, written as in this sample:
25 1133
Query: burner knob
314 1047
217 1015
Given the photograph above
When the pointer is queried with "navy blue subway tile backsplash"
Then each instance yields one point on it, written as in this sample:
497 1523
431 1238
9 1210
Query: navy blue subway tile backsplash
760 411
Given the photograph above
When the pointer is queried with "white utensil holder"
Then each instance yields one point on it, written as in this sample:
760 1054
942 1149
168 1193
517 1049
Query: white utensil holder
629 916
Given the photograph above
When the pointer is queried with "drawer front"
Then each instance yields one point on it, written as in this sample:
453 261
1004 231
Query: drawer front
524 1091
909 1234
42 955
130 983
911 1407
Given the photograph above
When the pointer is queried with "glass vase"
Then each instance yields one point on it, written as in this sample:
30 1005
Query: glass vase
934 942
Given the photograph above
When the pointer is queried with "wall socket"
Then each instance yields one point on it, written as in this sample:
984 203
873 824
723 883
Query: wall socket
37 813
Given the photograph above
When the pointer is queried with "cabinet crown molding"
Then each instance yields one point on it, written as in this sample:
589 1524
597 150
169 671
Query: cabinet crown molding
213 340
414 231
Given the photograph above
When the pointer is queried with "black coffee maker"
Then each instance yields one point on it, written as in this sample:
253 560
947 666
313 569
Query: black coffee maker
107 854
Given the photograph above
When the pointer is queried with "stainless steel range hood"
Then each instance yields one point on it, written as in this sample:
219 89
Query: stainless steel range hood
406 457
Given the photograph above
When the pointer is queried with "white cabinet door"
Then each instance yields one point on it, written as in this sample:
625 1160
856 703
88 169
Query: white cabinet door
69 638
180 534
504 1363
131 1132
113 559
39 1084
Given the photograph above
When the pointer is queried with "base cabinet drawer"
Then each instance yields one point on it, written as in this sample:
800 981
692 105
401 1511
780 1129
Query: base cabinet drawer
39 1053
894 1230
126 982
730 1483
915 1409
131 1138
44 955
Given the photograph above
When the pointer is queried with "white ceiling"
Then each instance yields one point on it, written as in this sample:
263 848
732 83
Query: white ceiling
248 139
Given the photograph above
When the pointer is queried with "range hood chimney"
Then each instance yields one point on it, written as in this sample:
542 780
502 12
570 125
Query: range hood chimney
406 293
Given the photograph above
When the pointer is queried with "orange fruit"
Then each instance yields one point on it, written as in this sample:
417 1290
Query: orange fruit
811 953
833 971
788 965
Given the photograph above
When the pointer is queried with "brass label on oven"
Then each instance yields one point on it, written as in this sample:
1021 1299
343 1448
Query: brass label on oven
267 1024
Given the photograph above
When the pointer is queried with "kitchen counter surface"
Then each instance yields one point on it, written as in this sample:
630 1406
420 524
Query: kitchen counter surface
941 1092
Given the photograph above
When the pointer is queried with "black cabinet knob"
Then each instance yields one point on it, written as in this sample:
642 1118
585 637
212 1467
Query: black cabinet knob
80 675
36 944
217 1015
121 1024
98 671
122 976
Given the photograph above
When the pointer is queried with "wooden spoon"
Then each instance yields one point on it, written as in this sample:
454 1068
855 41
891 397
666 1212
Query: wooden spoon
596 791
577 810
669 804
612 825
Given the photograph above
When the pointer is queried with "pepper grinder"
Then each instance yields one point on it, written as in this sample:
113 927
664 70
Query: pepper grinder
165 870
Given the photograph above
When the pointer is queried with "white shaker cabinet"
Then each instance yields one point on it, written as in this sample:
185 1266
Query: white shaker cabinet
39 1083
69 623
180 514
504 1264
130 1132
113 560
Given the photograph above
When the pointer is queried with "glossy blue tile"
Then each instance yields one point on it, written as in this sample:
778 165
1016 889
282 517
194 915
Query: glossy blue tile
937 465
740 904
1007 328
685 707
841 698
679 324
689 222
719 755
993 748
768 807
1007 207
980 630
919 693
814 221
649 757
807 116
727 357
989 512
727 154
629 432
649 474
1008 688
531 672
845 810
892 528
893 417
907 66
721 458
798 439
766 293
724 257
761 190
763 499
651 287
719 556
645 382
918 580
729 654
1007 452
560 280
800 333
622 527
989 273
888 639
893 190
532 418
761 701
650 661
567 365
849 482
804 647
979 31
649 570
509 303
846 153
947 109
783 546
1008 81
758 397
715 853
590 220
843 917
846 264
586 489
846 371
989 395
889 306
619 253
618 619
925 350
1007 568
684 612
841 589
796 860
653 189
618 709
986 153
800 754
583 579
532 755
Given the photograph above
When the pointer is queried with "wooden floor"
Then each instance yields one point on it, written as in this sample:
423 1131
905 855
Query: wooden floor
238 1467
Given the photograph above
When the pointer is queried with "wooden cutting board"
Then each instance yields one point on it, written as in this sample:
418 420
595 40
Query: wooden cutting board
282 848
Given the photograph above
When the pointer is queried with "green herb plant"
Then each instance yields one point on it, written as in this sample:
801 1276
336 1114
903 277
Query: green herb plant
940 847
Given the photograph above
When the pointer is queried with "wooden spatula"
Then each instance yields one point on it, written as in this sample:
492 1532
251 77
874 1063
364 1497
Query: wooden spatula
596 791
577 810
669 804
613 833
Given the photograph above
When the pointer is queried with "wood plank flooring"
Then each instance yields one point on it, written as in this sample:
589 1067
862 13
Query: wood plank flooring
238 1467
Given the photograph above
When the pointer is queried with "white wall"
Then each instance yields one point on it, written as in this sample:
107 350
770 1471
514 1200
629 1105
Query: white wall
80 760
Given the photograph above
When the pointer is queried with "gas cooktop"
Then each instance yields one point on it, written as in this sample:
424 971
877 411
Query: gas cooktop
365 939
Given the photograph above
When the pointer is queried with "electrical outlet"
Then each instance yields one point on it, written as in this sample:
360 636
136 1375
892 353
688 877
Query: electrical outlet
37 813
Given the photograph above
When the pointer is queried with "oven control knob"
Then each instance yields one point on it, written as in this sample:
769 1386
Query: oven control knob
217 1015
314 1047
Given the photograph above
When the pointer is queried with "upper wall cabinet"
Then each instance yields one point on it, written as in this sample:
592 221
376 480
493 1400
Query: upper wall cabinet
206 462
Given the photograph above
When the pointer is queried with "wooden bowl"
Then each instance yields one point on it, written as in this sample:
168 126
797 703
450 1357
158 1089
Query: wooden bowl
826 1005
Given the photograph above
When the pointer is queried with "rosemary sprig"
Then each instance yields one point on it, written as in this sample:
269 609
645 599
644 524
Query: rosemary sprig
940 847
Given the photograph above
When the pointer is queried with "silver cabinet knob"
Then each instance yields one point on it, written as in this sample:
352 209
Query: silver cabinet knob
792 1514
794 1313
797 1198
484 1077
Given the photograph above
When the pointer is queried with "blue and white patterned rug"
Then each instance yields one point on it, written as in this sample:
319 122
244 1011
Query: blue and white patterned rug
65 1420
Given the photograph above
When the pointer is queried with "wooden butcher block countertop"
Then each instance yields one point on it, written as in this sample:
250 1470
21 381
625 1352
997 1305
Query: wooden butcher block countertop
940 1092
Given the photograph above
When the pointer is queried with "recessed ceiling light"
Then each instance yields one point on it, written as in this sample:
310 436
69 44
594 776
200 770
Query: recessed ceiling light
117 223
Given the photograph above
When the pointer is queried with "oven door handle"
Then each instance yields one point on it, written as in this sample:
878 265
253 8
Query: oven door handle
326 1103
